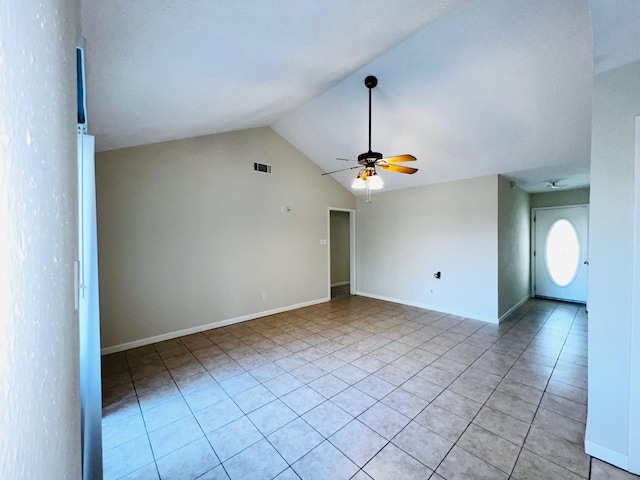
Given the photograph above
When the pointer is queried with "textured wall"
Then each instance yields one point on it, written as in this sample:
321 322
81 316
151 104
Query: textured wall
190 235
404 236
611 247
513 246
39 399
560 198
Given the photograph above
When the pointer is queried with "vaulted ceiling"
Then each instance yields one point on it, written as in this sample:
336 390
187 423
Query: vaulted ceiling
469 87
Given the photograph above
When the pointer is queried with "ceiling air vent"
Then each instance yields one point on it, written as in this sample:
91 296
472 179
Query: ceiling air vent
261 167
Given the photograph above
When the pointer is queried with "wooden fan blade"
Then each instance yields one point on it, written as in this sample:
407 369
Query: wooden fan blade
342 170
399 159
399 169
345 159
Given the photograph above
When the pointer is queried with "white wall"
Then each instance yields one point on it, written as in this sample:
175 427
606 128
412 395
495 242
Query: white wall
513 246
190 235
405 236
611 242
39 391
340 254
578 196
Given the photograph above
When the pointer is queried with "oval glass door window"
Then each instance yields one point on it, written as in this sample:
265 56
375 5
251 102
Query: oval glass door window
562 252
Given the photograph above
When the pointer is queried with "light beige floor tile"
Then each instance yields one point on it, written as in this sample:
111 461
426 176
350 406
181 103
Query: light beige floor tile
392 463
238 383
272 416
501 424
283 384
384 420
442 422
166 413
154 398
127 458
234 437
205 397
405 402
148 472
288 474
437 376
558 450
533 467
327 418
328 385
195 382
422 444
260 460
461 465
375 387
462 406
124 408
122 430
559 425
483 378
393 375
563 406
295 440
471 390
253 398
358 442
488 446
325 461
303 399
217 415
353 401
603 471
174 435
513 406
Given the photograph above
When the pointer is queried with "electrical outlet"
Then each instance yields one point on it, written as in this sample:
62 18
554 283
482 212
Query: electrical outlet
264 295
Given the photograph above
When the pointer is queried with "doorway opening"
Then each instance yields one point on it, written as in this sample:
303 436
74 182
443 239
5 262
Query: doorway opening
341 252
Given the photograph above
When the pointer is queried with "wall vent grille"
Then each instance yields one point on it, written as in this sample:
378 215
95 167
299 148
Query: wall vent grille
261 167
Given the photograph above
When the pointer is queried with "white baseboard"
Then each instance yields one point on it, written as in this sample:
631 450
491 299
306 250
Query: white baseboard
430 307
209 326
618 459
339 284
513 309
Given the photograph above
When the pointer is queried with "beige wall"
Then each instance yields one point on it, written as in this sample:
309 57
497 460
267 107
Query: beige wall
513 246
340 254
405 236
39 364
579 196
611 245
189 235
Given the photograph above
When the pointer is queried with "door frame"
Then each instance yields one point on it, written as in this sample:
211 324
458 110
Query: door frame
532 256
352 248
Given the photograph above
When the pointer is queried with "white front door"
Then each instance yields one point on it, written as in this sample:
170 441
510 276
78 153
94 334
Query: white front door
561 253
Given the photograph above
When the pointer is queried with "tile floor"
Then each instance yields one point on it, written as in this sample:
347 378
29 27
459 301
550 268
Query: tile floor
356 389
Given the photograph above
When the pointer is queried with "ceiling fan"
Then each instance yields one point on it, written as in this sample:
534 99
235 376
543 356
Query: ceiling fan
368 178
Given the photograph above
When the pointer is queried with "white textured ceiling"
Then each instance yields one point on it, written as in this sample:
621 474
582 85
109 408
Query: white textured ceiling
470 87
167 69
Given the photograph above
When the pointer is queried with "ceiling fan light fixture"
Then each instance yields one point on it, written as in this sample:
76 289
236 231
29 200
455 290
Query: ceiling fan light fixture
359 183
375 182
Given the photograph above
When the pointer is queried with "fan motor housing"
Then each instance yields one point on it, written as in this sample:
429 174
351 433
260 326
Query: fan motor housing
369 157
